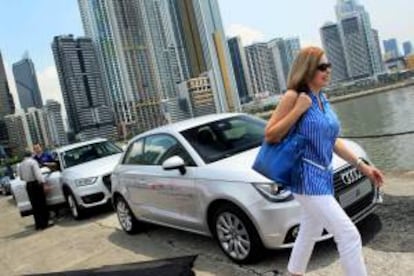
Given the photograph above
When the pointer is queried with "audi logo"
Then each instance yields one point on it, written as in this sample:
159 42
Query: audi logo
351 176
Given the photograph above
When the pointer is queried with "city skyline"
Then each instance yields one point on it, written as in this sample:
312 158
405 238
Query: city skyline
64 18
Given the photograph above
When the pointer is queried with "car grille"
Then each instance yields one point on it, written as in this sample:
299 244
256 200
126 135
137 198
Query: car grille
107 182
360 205
339 185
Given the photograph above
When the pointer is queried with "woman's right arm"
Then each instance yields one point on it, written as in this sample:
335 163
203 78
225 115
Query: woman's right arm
287 113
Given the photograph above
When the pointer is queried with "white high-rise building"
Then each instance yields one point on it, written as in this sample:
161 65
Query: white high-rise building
360 43
53 111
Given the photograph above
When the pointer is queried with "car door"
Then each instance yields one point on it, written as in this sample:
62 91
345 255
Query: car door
169 195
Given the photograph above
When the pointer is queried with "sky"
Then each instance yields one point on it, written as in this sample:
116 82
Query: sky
30 25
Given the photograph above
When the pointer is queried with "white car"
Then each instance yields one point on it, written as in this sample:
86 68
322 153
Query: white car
82 178
54 198
197 176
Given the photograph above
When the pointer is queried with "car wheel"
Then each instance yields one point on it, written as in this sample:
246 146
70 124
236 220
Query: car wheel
73 206
236 235
126 218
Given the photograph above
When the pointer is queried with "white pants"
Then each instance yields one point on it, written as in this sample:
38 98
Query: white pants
324 212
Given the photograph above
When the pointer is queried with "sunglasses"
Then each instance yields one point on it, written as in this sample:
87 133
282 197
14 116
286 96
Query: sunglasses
324 66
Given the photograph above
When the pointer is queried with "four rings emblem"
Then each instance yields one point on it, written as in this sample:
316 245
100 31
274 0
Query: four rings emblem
351 176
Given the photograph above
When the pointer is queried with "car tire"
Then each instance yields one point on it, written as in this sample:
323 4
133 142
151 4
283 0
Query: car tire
75 210
236 235
126 217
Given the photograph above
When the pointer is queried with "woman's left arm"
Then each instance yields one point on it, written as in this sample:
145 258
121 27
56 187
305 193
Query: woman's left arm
371 172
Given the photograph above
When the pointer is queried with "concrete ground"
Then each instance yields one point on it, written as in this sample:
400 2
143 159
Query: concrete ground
388 238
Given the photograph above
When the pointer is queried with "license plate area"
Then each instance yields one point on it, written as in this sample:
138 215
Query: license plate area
355 193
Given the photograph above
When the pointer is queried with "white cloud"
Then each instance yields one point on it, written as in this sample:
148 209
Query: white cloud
248 35
49 84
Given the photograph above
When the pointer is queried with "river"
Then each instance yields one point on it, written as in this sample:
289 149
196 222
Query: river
383 113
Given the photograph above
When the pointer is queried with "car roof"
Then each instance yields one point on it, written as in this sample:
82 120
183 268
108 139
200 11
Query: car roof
80 144
189 123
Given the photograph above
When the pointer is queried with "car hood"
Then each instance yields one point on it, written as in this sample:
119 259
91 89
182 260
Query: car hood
93 168
239 167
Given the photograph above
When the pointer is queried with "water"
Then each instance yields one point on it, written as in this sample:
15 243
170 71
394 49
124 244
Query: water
382 113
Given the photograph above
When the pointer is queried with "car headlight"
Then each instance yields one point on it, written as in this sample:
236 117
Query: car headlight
273 192
85 181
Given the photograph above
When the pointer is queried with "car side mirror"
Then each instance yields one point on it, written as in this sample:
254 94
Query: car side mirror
174 163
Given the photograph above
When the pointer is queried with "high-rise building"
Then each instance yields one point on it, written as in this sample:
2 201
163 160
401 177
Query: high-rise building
84 94
377 46
200 27
283 53
408 48
240 68
26 83
356 50
38 126
360 46
6 105
262 69
148 47
57 132
391 49
19 133
333 45
197 95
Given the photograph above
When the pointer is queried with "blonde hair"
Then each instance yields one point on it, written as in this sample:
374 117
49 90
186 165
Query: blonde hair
304 68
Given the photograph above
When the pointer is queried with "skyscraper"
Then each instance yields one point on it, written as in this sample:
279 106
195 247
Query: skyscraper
262 69
360 47
38 126
241 70
283 53
84 93
6 104
408 48
57 132
19 133
391 48
332 43
200 27
26 83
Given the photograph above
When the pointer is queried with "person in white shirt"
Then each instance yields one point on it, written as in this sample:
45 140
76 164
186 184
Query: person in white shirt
29 171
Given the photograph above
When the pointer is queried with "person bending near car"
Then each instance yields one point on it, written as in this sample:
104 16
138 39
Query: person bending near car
29 171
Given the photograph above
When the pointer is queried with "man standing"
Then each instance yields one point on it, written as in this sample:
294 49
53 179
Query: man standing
43 158
29 172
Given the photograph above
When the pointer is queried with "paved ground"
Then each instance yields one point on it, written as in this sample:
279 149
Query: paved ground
388 238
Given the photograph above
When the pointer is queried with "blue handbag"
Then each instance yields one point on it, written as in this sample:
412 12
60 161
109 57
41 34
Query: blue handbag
280 162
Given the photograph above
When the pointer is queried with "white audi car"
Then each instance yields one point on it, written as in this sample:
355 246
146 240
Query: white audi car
197 176
82 177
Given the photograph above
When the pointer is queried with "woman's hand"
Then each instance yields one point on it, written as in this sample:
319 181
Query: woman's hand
303 103
374 174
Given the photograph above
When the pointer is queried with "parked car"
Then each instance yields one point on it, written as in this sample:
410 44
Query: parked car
54 197
197 176
85 173
81 177
5 188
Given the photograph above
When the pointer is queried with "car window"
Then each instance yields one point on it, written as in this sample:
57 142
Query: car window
226 137
89 153
159 148
135 153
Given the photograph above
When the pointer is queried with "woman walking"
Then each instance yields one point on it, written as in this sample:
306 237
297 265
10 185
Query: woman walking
314 189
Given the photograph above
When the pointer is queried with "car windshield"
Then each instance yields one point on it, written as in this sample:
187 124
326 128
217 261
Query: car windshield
224 138
88 153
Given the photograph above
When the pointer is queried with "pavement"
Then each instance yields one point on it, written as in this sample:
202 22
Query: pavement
388 242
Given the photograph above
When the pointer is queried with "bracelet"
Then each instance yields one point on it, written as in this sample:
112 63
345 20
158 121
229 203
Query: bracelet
359 162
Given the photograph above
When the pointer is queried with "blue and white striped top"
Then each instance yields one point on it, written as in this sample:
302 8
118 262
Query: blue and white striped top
321 127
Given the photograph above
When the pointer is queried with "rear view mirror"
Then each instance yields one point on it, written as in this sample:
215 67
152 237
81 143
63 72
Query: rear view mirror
174 163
